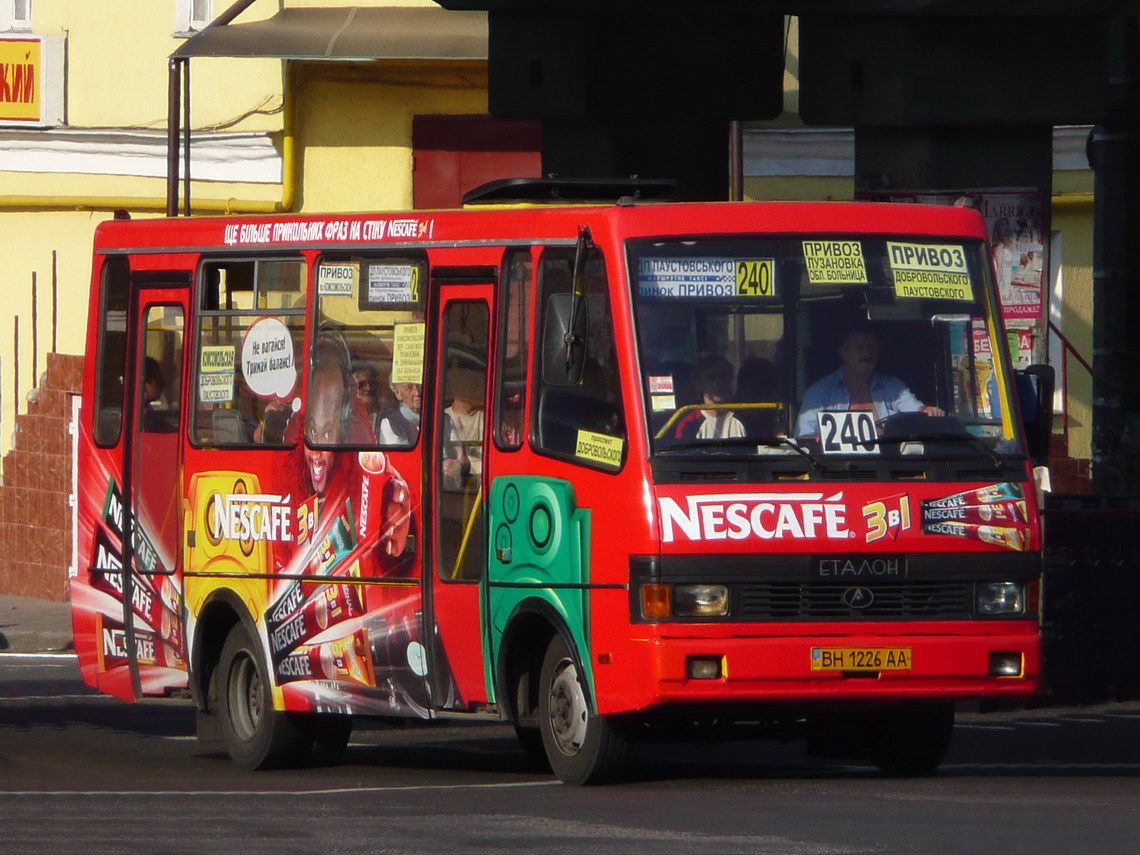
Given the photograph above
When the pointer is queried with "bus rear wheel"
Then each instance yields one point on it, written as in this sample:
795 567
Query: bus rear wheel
256 735
582 747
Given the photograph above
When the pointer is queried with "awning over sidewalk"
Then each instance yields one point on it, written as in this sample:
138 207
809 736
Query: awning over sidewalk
348 33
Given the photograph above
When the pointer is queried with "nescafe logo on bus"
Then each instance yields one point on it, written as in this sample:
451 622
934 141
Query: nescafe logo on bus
766 516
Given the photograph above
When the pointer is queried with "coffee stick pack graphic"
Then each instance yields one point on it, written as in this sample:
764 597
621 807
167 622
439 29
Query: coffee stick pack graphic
329 605
112 645
1004 491
147 606
345 659
1011 538
153 608
1006 512
385 504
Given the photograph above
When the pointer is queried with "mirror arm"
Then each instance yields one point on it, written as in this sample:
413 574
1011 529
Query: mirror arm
585 241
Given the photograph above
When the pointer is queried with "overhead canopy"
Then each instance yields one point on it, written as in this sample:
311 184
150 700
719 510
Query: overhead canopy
348 33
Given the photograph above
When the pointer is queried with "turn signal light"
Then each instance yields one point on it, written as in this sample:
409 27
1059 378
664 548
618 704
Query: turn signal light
656 600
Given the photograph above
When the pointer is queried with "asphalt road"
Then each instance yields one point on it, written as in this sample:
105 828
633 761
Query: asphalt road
84 773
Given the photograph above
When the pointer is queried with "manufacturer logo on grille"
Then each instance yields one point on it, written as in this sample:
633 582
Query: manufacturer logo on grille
858 598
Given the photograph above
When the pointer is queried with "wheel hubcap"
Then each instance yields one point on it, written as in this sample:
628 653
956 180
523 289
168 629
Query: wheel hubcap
245 697
568 711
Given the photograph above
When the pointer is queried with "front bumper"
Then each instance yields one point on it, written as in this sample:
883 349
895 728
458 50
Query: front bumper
947 662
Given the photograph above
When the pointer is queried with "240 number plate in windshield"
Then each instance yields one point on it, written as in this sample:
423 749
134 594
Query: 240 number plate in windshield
848 432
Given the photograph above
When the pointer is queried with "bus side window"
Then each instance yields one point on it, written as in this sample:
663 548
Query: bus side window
112 352
510 383
584 421
370 329
252 308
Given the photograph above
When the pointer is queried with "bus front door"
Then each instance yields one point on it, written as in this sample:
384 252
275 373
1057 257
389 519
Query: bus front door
458 542
152 518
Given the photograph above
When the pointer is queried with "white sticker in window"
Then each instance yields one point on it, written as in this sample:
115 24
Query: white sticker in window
697 278
216 373
599 448
337 280
936 271
837 261
267 359
393 283
408 353
848 432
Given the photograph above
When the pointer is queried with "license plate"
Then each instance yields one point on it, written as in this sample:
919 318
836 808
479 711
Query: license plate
860 659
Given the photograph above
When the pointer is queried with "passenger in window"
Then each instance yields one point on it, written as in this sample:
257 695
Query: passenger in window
510 421
274 423
757 383
713 375
154 384
400 425
457 464
367 384
465 388
856 385
366 387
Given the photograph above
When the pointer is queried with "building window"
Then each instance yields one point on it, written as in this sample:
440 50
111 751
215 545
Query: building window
191 15
15 14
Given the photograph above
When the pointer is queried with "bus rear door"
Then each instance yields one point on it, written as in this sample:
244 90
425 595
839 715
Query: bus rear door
458 542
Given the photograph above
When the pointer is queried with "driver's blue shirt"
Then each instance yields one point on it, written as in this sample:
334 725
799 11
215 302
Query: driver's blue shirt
889 395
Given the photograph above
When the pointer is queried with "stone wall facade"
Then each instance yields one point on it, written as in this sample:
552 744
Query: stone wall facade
35 516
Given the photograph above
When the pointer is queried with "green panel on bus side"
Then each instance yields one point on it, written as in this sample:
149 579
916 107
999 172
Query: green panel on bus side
540 542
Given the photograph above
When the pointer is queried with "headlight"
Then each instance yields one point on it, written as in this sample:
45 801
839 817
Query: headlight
1000 598
700 600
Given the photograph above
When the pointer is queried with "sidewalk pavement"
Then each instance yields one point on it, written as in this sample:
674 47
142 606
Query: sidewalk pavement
31 625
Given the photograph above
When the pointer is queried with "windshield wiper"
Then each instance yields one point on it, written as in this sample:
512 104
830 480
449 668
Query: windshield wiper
740 441
944 437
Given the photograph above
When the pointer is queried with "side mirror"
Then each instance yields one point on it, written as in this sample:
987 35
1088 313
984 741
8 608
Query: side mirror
563 348
1035 394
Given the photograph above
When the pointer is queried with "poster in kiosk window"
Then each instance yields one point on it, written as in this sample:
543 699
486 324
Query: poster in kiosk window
1016 224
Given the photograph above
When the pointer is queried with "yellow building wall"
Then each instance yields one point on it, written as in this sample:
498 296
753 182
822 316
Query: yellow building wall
799 188
27 243
117 61
353 151
1073 218
354 129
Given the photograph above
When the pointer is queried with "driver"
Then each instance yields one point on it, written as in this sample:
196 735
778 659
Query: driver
857 386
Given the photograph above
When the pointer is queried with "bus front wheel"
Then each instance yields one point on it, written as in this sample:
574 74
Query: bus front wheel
582 747
256 735
912 739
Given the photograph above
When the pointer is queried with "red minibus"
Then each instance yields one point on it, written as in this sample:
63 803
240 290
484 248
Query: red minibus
608 472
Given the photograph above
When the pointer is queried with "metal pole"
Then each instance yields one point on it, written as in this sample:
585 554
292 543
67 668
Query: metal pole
186 136
54 298
16 364
35 330
1116 271
173 91
735 161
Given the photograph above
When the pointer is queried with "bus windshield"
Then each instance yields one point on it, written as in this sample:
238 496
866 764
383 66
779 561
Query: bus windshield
844 347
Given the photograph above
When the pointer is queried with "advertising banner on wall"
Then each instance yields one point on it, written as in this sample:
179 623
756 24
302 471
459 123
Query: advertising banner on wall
31 81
